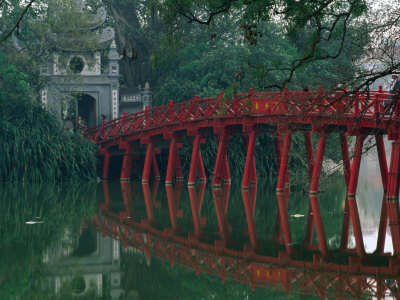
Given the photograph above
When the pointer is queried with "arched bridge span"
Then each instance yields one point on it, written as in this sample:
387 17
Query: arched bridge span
362 114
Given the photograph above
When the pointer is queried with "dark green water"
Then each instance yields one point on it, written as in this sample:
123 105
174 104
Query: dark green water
62 255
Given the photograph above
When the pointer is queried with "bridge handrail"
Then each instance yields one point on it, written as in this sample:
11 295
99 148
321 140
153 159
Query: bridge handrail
338 104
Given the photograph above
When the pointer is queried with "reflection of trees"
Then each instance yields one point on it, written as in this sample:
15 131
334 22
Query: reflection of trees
22 246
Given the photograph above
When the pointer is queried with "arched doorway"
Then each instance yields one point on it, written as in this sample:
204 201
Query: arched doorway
87 109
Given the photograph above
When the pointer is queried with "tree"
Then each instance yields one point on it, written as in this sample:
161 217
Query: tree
326 21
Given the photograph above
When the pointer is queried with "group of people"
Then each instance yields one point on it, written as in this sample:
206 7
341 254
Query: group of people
79 125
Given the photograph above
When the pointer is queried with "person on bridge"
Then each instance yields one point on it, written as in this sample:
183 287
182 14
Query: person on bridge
80 124
102 120
394 87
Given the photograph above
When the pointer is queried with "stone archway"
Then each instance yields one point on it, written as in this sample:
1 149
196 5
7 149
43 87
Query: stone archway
87 109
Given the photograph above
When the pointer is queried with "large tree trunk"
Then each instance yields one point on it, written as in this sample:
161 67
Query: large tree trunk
131 35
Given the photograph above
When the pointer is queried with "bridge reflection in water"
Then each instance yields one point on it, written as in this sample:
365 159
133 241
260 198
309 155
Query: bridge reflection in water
203 237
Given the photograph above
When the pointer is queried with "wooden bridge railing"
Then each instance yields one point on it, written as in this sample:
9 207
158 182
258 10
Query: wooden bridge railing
339 105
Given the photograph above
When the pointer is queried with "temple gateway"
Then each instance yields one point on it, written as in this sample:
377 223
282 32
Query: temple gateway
86 83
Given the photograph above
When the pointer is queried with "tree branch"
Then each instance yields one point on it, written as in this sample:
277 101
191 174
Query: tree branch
16 25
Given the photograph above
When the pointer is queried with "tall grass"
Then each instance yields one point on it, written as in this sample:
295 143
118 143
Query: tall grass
34 147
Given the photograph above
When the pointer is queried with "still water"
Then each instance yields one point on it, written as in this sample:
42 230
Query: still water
113 240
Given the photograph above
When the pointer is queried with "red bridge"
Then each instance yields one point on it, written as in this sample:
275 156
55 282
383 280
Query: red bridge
342 276
361 114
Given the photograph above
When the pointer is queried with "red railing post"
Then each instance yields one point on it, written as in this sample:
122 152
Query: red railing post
195 104
169 111
285 101
357 103
146 117
397 106
124 122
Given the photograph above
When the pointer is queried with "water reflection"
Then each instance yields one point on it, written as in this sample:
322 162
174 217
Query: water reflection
127 240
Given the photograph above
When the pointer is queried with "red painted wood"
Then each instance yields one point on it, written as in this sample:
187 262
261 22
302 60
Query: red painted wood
351 195
380 146
282 204
314 193
147 162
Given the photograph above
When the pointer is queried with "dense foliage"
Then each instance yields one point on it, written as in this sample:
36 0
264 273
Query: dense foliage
33 145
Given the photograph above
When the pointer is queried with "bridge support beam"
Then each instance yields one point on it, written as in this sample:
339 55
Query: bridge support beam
344 240
314 201
106 163
249 168
282 203
310 161
178 167
127 162
278 143
218 173
196 164
380 146
351 194
200 168
148 162
154 166
174 164
393 196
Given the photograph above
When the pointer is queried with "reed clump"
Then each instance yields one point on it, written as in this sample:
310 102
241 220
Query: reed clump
33 145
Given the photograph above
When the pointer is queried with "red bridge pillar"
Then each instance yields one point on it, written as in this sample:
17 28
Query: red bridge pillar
351 194
282 203
393 196
196 164
148 161
221 167
310 161
106 162
249 168
174 164
314 201
127 161
380 146
347 170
